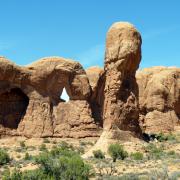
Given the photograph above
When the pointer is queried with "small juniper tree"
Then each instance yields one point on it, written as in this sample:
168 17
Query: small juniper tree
116 151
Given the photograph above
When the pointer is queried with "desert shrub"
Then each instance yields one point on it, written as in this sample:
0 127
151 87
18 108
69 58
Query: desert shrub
116 151
54 142
161 137
154 152
175 175
35 175
137 156
22 144
26 175
128 176
98 154
43 147
63 163
80 150
19 149
4 157
105 168
27 156
45 140
82 143
65 145
90 143
172 154
171 137
16 175
59 163
161 173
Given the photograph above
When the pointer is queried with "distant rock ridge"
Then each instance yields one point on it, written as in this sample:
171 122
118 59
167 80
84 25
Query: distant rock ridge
116 97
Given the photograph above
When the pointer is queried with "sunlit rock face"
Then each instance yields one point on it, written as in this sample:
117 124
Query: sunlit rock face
159 99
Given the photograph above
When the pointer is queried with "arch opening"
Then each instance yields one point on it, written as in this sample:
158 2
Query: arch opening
13 105
64 96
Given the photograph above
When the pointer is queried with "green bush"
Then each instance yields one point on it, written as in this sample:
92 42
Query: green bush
82 143
173 154
22 144
80 150
116 151
27 156
4 157
64 163
26 175
137 156
65 145
161 137
59 163
98 154
43 147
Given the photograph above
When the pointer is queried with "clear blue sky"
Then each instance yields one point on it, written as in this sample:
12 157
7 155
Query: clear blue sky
31 29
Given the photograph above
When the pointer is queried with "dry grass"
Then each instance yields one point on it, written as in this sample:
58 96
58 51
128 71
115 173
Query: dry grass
17 147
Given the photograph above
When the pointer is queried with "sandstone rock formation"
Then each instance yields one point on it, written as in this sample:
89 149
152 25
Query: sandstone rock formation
122 58
74 119
96 80
31 104
30 101
159 99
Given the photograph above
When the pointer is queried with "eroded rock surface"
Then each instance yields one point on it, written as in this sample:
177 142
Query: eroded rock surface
159 98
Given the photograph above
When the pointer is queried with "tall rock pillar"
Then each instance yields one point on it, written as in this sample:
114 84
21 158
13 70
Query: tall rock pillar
122 58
